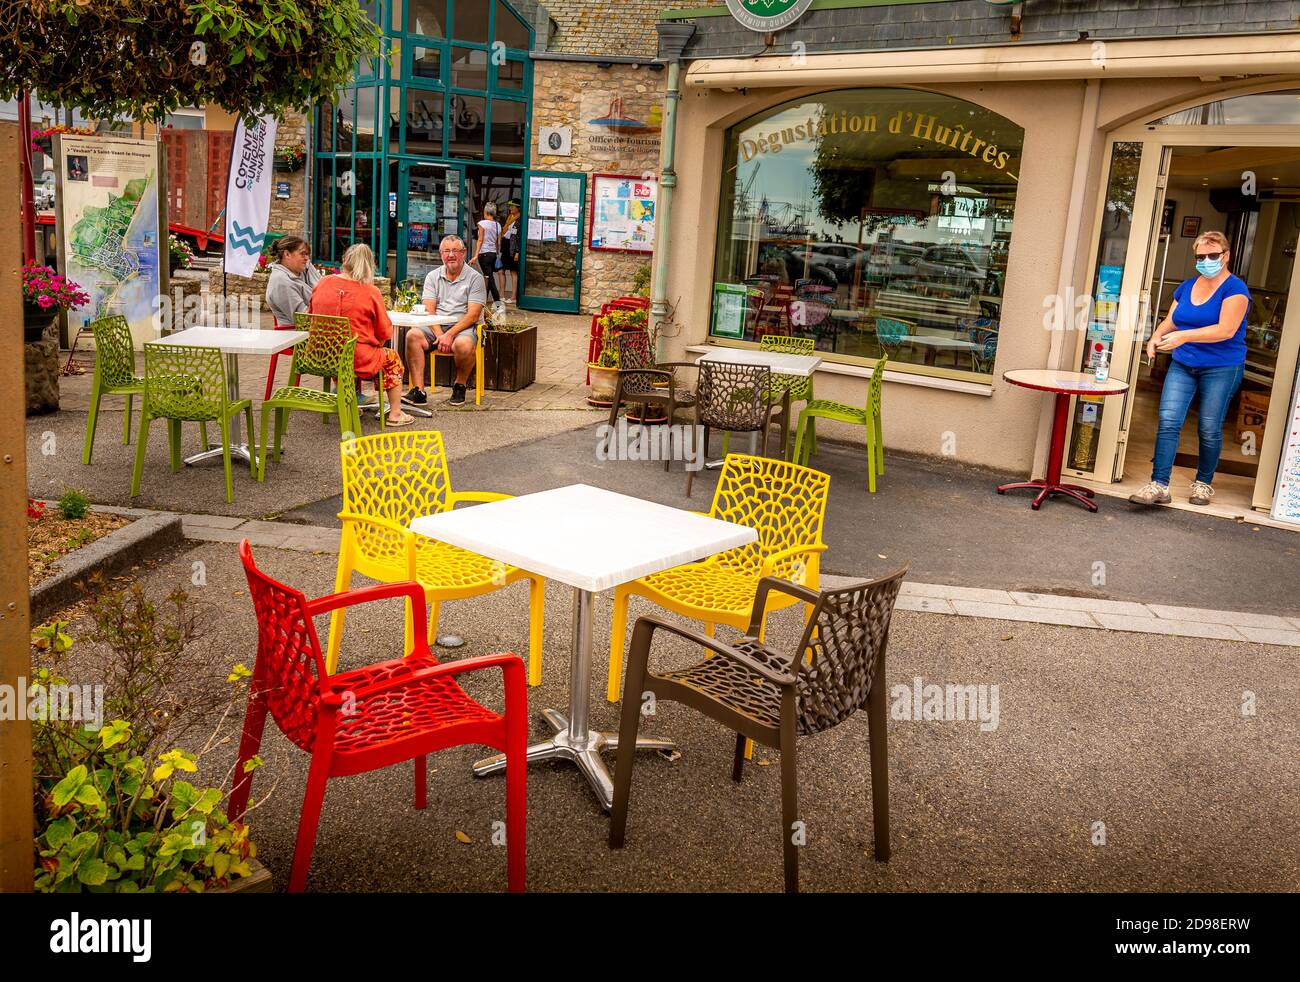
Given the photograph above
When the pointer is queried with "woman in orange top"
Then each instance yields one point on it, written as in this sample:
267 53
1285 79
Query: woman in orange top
352 293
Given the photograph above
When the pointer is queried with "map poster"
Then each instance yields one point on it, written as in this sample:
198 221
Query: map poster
623 218
111 227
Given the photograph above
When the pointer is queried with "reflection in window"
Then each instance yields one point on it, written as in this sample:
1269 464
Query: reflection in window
322 248
510 75
1262 109
427 18
468 118
469 68
424 118
510 29
471 20
875 221
427 63
1116 226
366 119
508 130
344 120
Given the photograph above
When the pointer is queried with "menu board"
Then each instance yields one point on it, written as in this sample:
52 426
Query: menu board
1286 496
623 213
729 309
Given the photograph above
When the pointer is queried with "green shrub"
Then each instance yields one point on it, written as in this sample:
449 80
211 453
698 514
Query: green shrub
74 504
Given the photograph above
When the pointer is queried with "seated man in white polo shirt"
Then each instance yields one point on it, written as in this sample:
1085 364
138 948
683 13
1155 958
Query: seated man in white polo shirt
453 288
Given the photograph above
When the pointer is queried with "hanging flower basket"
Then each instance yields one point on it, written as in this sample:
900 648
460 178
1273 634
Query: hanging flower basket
45 293
290 158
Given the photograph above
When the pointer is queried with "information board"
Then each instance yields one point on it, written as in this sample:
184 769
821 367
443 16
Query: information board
112 222
623 212
1286 496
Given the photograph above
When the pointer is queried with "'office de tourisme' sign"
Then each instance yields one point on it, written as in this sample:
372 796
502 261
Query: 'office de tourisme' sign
767 15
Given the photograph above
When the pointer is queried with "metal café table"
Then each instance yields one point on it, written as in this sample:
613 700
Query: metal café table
405 321
1064 385
592 540
233 342
780 363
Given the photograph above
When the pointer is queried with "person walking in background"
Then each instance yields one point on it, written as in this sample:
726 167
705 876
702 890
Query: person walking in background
352 293
510 253
292 277
486 247
1205 330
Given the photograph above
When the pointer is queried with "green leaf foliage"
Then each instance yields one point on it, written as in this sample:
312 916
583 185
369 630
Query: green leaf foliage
142 59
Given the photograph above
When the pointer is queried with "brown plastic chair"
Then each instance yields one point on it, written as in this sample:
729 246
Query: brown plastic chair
770 697
733 398
637 375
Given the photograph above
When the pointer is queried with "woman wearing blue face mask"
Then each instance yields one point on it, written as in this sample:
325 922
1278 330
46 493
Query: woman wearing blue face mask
1205 331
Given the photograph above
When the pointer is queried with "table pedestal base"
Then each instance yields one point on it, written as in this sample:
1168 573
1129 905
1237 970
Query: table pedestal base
584 753
238 451
1046 490
573 741
1051 484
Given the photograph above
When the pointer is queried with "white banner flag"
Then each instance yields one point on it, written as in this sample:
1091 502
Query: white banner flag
248 195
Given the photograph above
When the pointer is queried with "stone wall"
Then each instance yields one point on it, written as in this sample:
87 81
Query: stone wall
572 94
289 214
41 375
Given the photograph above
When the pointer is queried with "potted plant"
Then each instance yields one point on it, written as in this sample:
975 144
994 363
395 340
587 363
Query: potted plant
179 254
510 358
45 293
604 370
290 157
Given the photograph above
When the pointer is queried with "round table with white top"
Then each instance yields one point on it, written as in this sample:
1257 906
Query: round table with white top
1064 385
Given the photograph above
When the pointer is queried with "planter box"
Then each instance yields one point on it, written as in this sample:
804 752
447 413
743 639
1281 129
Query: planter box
509 363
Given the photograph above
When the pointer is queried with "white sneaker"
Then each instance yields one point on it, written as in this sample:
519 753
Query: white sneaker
1201 493
1151 494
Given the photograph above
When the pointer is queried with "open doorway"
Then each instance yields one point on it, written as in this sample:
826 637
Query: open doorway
1252 195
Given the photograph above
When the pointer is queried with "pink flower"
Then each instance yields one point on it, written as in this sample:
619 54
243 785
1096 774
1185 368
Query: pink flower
44 302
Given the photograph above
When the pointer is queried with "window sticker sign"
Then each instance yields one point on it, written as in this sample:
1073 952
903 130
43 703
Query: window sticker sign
623 213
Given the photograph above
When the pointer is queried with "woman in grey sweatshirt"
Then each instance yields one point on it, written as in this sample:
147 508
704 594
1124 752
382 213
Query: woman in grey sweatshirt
288 289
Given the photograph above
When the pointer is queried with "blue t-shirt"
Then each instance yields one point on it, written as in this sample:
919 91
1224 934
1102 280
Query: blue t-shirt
1187 315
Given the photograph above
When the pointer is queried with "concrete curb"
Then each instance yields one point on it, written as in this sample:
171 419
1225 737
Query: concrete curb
120 549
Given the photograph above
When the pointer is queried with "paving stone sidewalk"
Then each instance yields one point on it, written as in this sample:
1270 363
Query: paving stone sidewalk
927 598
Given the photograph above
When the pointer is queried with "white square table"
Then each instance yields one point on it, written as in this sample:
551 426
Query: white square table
591 540
405 321
780 363
232 342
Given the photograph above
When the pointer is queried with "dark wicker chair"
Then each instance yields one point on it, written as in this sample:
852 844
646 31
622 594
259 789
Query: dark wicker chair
771 697
733 398
637 375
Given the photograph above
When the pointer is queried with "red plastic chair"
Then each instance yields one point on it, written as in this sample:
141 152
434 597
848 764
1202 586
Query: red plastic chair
270 374
371 717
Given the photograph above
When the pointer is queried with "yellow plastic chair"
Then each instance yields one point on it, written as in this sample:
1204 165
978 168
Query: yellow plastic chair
786 503
483 335
389 480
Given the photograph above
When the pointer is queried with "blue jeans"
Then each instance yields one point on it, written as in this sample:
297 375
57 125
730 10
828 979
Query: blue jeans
1215 386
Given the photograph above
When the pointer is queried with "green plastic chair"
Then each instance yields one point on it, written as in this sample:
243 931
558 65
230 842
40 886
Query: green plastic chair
325 338
322 360
868 417
801 388
114 374
187 383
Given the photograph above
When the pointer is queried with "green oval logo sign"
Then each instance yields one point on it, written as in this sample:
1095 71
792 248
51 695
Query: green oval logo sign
767 15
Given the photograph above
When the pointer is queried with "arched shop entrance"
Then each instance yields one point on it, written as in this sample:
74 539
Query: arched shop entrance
1231 165
429 134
